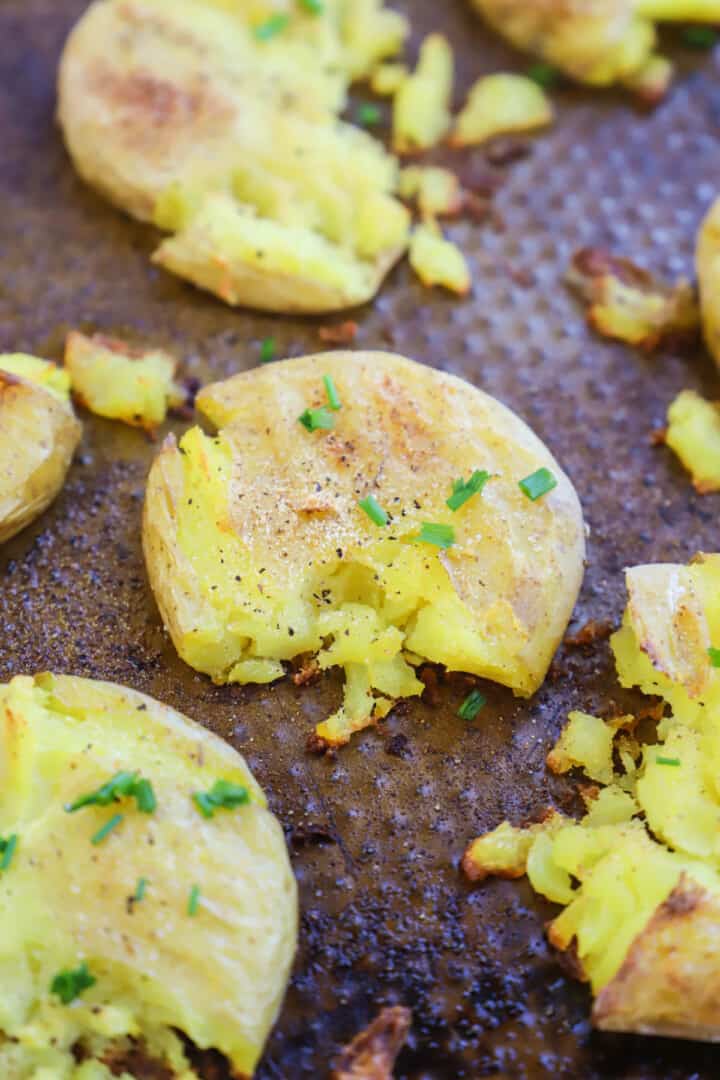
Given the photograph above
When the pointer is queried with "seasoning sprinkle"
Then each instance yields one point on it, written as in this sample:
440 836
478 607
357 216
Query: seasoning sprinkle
472 705
68 985
317 419
442 536
140 890
193 900
369 115
106 829
271 27
538 484
7 850
223 795
714 655
667 761
374 510
465 489
268 350
332 395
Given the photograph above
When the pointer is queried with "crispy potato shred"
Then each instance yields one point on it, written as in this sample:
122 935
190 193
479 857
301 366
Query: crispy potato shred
626 303
639 875
611 41
371 1055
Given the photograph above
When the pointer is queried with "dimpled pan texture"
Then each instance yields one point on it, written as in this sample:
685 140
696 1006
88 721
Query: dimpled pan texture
377 833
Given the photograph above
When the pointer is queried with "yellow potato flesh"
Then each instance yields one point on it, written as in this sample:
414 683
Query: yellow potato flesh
438 261
694 434
217 976
421 113
42 372
707 262
258 551
501 105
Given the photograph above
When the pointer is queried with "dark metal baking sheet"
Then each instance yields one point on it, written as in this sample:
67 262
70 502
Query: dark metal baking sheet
386 916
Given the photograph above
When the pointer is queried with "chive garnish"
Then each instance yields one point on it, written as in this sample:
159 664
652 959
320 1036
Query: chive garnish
193 900
140 890
122 785
374 510
538 484
317 419
332 395
271 27
714 655
667 761
700 37
106 829
268 350
314 7
223 795
465 489
145 797
543 74
7 850
442 536
68 985
369 115
472 705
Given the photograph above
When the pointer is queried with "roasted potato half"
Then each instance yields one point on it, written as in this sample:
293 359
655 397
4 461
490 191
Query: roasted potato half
261 547
38 436
219 123
145 889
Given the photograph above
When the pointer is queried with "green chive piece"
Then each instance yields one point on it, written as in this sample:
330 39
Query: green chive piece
700 37
317 420
7 850
714 655
140 890
121 785
271 27
538 484
465 489
313 7
442 536
145 797
223 795
472 705
544 74
193 900
369 115
668 761
106 829
268 350
68 985
374 510
332 395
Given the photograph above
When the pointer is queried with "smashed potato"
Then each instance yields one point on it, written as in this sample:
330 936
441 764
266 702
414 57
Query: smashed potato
220 125
307 528
38 437
693 432
112 379
421 113
610 41
438 261
438 191
147 891
501 105
641 897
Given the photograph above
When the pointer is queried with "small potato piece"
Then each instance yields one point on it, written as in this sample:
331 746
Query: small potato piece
38 437
693 432
203 947
707 262
437 190
587 742
437 261
421 115
501 105
112 379
387 79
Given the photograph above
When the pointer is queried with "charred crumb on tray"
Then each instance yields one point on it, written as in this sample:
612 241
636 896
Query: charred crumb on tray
591 631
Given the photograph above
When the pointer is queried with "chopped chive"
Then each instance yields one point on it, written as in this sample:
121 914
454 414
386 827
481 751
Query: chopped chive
667 761
465 489
7 850
714 655
700 37
317 419
374 510
121 785
369 115
145 797
68 985
314 7
271 27
442 536
332 395
140 890
472 705
223 795
544 74
193 900
538 484
268 350
106 829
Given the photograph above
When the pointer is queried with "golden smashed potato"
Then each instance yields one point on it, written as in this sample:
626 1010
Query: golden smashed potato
438 261
421 113
641 898
261 545
38 437
112 379
693 432
437 190
600 43
707 260
501 105
145 889
219 123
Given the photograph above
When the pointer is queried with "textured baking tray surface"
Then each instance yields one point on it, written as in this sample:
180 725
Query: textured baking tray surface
377 832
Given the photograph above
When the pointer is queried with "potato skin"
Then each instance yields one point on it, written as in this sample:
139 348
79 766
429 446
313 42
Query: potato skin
38 437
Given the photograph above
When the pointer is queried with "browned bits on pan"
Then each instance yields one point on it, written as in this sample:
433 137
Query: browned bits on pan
315 744
371 1055
307 674
590 632
428 675
309 835
506 151
340 334
658 436
398 746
